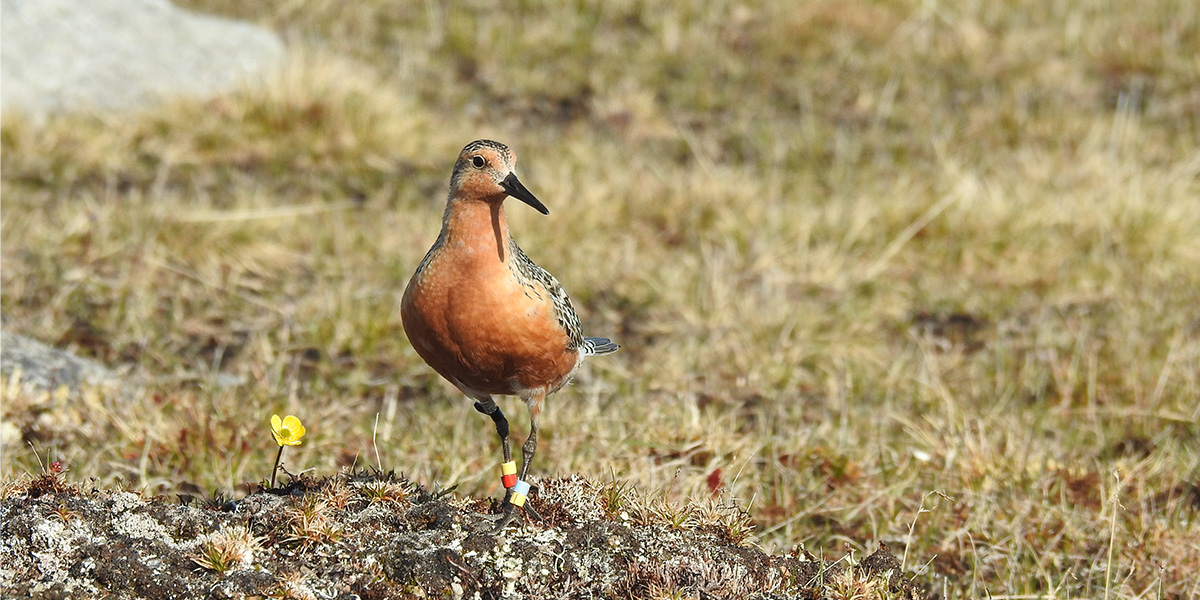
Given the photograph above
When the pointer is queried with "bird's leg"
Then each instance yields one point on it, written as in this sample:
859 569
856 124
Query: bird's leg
534 402
529 448
527 451
488 407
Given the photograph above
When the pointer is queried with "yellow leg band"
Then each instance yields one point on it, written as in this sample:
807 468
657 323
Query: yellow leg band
508 473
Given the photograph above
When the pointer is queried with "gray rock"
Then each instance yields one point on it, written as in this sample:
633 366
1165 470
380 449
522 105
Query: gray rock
46 388
46 369
61 55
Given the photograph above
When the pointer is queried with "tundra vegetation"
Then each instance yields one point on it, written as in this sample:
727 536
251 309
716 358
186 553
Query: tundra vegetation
915 272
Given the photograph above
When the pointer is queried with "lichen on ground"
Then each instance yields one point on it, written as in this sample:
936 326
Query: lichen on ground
378 535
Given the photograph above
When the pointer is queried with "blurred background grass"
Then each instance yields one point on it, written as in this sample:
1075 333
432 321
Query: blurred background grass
854 253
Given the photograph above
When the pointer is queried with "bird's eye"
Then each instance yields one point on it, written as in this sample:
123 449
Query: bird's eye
479 162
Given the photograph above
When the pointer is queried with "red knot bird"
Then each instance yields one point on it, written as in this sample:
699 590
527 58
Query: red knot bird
487 318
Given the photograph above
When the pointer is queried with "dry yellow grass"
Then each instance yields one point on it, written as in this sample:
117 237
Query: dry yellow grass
854 253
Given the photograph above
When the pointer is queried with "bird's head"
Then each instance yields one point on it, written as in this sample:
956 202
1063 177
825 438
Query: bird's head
484 171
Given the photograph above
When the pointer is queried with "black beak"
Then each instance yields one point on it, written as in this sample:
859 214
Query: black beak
513 187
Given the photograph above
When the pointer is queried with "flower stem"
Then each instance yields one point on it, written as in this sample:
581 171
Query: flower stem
276 469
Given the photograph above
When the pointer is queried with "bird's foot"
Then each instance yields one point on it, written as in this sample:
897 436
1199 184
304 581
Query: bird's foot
510 512
506 517
528 508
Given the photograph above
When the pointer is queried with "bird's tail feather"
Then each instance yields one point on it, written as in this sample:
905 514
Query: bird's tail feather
598 346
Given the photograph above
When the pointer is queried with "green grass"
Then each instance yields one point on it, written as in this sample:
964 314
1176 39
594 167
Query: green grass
854 253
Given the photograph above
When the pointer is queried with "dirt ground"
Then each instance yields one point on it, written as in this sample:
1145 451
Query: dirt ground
378 535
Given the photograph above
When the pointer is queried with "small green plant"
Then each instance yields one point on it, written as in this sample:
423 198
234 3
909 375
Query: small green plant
617 497
848 585
736 521
64 513
310 522
682 516
218 501
386 491
228 550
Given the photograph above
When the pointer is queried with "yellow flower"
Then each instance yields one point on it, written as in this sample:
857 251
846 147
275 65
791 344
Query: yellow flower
287 431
